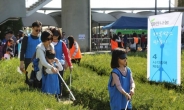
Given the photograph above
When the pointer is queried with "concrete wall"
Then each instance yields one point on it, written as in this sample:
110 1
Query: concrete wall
12 8
76 20
58 20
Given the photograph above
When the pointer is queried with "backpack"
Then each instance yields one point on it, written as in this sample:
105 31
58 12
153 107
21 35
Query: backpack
32 70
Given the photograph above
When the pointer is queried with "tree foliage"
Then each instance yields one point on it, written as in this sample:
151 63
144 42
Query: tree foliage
13 25
180 3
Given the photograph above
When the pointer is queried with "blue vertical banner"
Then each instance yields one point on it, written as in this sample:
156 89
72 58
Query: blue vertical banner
164 48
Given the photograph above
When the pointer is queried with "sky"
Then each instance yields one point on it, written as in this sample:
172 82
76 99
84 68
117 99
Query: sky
117 4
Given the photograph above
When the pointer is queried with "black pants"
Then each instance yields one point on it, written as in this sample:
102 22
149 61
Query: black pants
132 50
27 61
125 45
119 45
76 61
61 82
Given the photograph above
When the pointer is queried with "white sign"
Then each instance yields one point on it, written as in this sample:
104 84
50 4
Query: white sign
81 36
164 48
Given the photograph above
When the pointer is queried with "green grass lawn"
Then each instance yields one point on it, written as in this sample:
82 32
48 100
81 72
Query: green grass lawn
89 86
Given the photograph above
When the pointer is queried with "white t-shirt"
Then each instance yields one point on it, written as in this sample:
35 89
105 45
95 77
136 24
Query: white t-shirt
7 56
60 68
133 46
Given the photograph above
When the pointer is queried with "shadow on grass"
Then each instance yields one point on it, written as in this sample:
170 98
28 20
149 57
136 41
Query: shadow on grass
85 98
167 85
25 89
101 72
142 107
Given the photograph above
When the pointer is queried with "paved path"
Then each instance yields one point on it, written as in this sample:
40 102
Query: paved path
96 52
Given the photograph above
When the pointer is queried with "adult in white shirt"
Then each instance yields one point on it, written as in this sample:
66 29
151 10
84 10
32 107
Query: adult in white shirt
119 40
46 44
133 46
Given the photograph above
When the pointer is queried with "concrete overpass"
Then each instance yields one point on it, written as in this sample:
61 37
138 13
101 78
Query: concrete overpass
76 20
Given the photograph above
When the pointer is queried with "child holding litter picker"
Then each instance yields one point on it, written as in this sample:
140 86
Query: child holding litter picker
121 84
50 80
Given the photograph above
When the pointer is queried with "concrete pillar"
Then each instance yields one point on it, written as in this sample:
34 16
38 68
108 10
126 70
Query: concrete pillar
76 21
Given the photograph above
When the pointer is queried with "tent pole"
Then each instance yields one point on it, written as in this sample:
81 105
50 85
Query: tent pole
169 6
155 7
99 28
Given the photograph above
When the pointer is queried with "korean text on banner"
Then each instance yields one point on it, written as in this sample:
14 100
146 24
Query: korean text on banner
164 48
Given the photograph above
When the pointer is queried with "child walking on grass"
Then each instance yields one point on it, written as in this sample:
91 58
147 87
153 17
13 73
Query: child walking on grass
50 80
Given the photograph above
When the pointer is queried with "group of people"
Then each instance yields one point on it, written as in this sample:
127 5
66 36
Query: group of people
129 44
54 53
9 46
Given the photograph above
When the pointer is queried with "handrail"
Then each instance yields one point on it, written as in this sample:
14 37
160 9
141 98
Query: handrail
30 2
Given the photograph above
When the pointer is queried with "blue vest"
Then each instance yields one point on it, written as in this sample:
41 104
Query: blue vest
59 50
31 46
117 100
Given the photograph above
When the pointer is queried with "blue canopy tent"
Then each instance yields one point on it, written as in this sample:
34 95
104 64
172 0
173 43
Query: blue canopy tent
128 23
108 26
